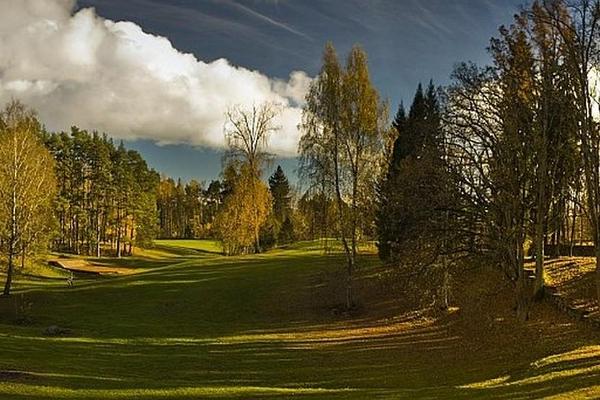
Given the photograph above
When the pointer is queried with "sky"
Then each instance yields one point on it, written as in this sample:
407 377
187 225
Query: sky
160 74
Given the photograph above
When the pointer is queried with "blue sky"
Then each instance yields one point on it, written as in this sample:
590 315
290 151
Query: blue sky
408 41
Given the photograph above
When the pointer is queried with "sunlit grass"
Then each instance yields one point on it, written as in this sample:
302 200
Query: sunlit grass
209 246
180 392
582 353
582 362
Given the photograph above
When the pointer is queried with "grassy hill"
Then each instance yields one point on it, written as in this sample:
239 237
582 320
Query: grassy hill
195 324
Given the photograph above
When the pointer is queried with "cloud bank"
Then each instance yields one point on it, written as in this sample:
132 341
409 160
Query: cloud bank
85 70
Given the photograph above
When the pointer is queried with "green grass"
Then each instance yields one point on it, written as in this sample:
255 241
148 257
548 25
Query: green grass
190 246
195 324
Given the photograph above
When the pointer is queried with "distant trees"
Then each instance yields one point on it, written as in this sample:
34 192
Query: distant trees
342 140
27 185
106 194
188 211
316 212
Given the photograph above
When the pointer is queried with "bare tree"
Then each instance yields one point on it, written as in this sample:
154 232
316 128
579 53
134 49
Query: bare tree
248 131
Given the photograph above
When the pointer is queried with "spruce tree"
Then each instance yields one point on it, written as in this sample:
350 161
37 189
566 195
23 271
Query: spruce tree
280 190
418 138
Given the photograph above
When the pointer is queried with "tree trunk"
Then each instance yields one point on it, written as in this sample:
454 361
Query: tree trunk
119 237
598 274
573 223
9 274
445 295
522 301
23 253
352 259
340 204
98 248
538 290
559 239
522 287
131 233
98 255
256 235
12 245
349 298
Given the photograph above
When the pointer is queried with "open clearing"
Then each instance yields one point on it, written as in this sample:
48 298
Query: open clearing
194 324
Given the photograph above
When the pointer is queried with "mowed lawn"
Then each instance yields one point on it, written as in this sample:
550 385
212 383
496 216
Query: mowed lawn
195 324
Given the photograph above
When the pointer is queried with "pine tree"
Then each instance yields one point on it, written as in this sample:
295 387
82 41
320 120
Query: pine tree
419 130
415 150
416 197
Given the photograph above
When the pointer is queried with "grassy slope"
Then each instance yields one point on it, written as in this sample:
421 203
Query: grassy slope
196 324
575 280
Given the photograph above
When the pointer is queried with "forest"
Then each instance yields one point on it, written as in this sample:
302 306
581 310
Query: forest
499 171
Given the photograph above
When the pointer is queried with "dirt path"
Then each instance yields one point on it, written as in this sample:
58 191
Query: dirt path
84 266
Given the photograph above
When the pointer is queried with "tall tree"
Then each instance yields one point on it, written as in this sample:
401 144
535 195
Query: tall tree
243 213
247 132
27 184
416 197
279 187
492 118
341 142
417 135
578 24
553 142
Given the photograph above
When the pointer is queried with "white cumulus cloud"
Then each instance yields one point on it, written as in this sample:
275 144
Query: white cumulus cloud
85 70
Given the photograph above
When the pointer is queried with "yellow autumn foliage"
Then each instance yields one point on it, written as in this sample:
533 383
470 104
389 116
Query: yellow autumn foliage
245 211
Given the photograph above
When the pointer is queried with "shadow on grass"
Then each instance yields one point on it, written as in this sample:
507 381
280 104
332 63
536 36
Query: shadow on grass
316 363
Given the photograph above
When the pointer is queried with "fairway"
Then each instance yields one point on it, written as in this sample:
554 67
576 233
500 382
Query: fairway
289 199
195 324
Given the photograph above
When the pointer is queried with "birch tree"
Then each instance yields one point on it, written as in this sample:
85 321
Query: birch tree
27 184
343 125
